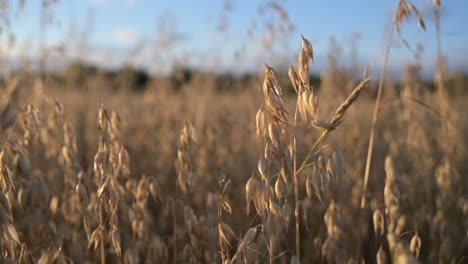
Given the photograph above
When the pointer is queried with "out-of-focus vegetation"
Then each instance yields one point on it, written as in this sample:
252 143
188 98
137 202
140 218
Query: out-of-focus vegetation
123 166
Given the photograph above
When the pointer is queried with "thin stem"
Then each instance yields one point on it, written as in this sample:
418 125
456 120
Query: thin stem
374 121
439 78
371 136
296 183
271 238
296 191
311 151
442 92
440 82
272 253
42 41
269 195
101 221
417 102
174 234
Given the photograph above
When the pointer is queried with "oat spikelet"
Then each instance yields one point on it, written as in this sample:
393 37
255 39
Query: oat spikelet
186 175
307 47
379 223
401 14
280 187
227 237
303 62
294 78
415 245
420 18
115 239
250 191
347 103
273 102
381 256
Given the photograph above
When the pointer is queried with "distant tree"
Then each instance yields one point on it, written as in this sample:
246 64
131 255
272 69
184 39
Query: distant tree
457 83
181 75
77 73
132 79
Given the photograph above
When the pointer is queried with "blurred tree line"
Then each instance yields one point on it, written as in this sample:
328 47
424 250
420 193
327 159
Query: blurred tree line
82 76
78 75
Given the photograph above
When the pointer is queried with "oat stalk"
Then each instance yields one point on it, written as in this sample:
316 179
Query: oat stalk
374 120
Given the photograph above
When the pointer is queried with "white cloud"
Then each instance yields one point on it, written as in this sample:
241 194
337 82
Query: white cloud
127 35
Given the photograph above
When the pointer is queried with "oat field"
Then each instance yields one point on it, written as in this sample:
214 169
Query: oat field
276 168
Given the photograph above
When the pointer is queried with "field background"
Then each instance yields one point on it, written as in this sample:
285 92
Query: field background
94 160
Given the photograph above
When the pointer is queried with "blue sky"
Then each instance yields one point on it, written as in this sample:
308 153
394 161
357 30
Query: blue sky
138 32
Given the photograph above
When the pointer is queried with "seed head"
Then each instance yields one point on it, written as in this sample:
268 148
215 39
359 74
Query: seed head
379 223
415 245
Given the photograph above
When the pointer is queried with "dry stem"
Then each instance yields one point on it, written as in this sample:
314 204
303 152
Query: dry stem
374 121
